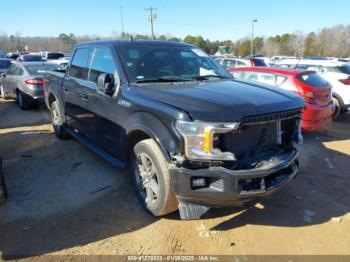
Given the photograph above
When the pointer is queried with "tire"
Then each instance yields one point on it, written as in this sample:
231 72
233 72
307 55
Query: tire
58 121
337 109
22 102
3 191
3 94
153 187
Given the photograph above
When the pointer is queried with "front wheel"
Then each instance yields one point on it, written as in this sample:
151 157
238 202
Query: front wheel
58 122
152 179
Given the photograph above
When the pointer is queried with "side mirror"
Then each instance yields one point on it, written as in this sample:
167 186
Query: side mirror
105 84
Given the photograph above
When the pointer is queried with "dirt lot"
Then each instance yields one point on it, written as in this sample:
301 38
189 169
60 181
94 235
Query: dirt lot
63 199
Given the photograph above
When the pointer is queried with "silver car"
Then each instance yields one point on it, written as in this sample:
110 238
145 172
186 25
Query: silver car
25 80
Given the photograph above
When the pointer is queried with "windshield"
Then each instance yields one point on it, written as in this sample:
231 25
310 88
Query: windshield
156 62
41 69
5 64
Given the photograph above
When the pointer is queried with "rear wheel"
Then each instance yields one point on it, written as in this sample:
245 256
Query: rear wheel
58 121
338 108
3 94
152 179
22 101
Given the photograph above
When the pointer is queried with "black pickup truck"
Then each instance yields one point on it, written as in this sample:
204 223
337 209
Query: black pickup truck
192 136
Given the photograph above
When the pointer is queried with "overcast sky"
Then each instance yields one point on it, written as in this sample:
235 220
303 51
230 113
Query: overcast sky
215 19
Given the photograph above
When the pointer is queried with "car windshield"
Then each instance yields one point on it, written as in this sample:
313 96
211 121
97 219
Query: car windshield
159 63
32 58
42 69
5 64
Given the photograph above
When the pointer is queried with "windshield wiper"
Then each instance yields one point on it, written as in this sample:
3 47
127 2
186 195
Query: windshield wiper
207 77
163 80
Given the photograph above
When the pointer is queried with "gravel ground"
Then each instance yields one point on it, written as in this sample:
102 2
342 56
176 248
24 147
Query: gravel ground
63 199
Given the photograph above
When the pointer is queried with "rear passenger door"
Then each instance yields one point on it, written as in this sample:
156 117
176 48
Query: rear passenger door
75 86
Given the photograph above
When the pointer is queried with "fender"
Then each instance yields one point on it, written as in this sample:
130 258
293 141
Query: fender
154 128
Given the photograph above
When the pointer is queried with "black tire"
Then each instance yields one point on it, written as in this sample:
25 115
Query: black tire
3 94
3 190
338 107
22 101
163 200
58 121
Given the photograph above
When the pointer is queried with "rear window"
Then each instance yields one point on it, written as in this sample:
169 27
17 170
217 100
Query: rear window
54 56
41 69
5 64
259 62
312 79
32 58
345 69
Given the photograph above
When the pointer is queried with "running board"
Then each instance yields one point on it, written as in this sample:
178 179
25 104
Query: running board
101 152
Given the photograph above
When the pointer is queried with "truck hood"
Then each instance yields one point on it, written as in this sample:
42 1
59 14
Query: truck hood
221 101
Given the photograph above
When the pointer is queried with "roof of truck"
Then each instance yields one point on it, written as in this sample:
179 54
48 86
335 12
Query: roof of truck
133 42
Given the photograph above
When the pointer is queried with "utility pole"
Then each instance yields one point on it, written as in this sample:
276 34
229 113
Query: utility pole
151 16
122 21
252 40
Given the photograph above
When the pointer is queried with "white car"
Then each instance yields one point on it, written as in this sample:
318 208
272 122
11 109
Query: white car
228 62
62 62
336 73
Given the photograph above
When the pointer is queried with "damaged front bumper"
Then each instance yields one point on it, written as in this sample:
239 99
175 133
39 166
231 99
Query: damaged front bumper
224 187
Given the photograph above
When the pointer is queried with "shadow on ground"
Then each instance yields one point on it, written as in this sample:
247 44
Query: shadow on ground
61 195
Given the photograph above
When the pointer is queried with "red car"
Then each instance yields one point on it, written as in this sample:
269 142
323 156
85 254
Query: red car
316 91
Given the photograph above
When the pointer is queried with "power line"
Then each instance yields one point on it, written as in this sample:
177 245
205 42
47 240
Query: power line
151 16
122 20
202 24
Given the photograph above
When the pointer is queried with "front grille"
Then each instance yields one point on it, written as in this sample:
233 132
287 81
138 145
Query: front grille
261 136
271 117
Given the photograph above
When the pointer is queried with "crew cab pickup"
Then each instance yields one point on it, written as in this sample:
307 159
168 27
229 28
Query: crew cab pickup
192 136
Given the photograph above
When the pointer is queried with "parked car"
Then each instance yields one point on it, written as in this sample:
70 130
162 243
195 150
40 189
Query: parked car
30 58
12 56
229 62
26 81
336 73
3 190
192 136
316 91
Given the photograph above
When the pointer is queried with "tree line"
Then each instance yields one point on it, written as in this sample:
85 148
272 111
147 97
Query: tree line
333 41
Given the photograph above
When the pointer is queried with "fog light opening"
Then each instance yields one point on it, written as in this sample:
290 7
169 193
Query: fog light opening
198 182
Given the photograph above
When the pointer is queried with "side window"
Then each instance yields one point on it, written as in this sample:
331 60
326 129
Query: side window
19 71
280 80
239 63
79 66
11 71
102 62
251 76
267 78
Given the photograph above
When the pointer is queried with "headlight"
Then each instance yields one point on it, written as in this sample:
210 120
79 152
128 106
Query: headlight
199 138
